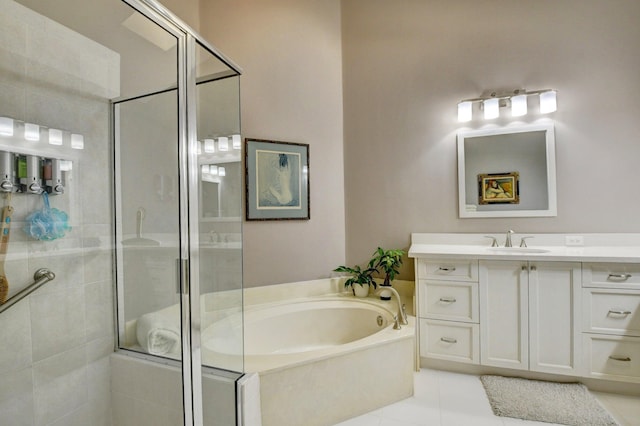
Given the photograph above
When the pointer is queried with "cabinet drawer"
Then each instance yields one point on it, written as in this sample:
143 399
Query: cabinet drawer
612 357
448 269
450 340
448 300
611 275
611 311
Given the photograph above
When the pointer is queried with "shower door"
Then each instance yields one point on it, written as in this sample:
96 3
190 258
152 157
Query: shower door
158 237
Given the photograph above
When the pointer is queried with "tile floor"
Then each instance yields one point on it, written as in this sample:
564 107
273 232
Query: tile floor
443 398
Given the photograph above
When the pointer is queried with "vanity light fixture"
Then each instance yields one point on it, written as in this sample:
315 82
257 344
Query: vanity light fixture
209 146
222 171
465 111
548 102
24 131
213 170
6 126
31 132
517 100
55 137
77 141
519 105
223 143
491 108
236 141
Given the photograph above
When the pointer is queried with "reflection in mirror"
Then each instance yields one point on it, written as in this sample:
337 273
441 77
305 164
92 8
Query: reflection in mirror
220 186
507 172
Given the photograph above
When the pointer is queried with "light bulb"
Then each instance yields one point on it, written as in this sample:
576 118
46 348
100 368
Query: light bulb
204 168
31 132
548 102
222 171
199 149
223 143
77 141
236 141
209 146
6 126
491 108
519 105
464 111
213 169
55 137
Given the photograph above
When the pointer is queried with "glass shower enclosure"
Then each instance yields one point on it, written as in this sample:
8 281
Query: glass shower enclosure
154 197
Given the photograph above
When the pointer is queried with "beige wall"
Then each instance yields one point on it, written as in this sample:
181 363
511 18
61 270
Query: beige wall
407 64
291 90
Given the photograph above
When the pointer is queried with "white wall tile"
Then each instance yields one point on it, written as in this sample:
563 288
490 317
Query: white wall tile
16 398
15 338
60 384
57 322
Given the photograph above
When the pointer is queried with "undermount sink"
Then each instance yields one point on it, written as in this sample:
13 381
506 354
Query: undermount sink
515 250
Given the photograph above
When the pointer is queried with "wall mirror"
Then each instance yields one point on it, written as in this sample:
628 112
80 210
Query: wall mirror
507 172
220 184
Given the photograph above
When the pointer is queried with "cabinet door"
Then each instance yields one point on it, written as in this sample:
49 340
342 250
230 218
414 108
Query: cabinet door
504 314
554 317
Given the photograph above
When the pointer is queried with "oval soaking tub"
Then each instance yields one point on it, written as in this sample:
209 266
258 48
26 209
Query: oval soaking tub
293 332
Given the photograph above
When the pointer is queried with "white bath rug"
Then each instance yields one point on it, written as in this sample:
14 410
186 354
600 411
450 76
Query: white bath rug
562 403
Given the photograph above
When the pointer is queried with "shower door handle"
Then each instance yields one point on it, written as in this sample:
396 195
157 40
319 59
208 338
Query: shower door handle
182 276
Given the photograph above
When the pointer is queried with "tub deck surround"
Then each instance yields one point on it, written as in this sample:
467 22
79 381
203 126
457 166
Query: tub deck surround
326 385
619 248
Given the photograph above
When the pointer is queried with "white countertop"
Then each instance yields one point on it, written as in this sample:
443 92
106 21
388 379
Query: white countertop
623 248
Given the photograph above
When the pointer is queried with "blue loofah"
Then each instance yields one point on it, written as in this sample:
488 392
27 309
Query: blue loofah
47 224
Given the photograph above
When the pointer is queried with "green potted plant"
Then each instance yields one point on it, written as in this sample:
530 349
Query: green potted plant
387 262
360 279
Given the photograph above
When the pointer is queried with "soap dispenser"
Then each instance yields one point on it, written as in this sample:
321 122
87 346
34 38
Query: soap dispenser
7 172
29 173
53 176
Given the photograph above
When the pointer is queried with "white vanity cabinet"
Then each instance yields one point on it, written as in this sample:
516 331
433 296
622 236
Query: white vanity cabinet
567 304
530 315
448 309
611 321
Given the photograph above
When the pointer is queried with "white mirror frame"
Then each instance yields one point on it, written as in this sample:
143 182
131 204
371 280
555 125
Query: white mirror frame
552 209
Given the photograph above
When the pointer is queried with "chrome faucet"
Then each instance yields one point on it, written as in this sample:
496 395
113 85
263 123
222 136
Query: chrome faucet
507 242
402 313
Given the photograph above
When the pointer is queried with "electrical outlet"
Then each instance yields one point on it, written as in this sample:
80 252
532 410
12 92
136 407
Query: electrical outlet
574 240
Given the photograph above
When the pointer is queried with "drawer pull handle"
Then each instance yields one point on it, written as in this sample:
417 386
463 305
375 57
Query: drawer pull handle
448 299
619 277
448 340
619 312
447 268
620 358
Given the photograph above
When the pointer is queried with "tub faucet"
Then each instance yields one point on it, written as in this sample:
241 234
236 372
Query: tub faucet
507 242
402 314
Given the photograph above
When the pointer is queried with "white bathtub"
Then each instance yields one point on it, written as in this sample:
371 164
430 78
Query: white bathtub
284 334
320 359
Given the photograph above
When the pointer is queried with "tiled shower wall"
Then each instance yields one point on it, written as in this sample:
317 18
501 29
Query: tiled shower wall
55 344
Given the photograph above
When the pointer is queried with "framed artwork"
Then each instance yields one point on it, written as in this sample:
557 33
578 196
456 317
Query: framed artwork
276 180
499 188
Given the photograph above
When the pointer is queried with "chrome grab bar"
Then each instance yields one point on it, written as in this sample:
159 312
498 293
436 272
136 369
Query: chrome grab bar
42 276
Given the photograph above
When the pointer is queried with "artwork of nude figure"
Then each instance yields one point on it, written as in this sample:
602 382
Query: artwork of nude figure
278 180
